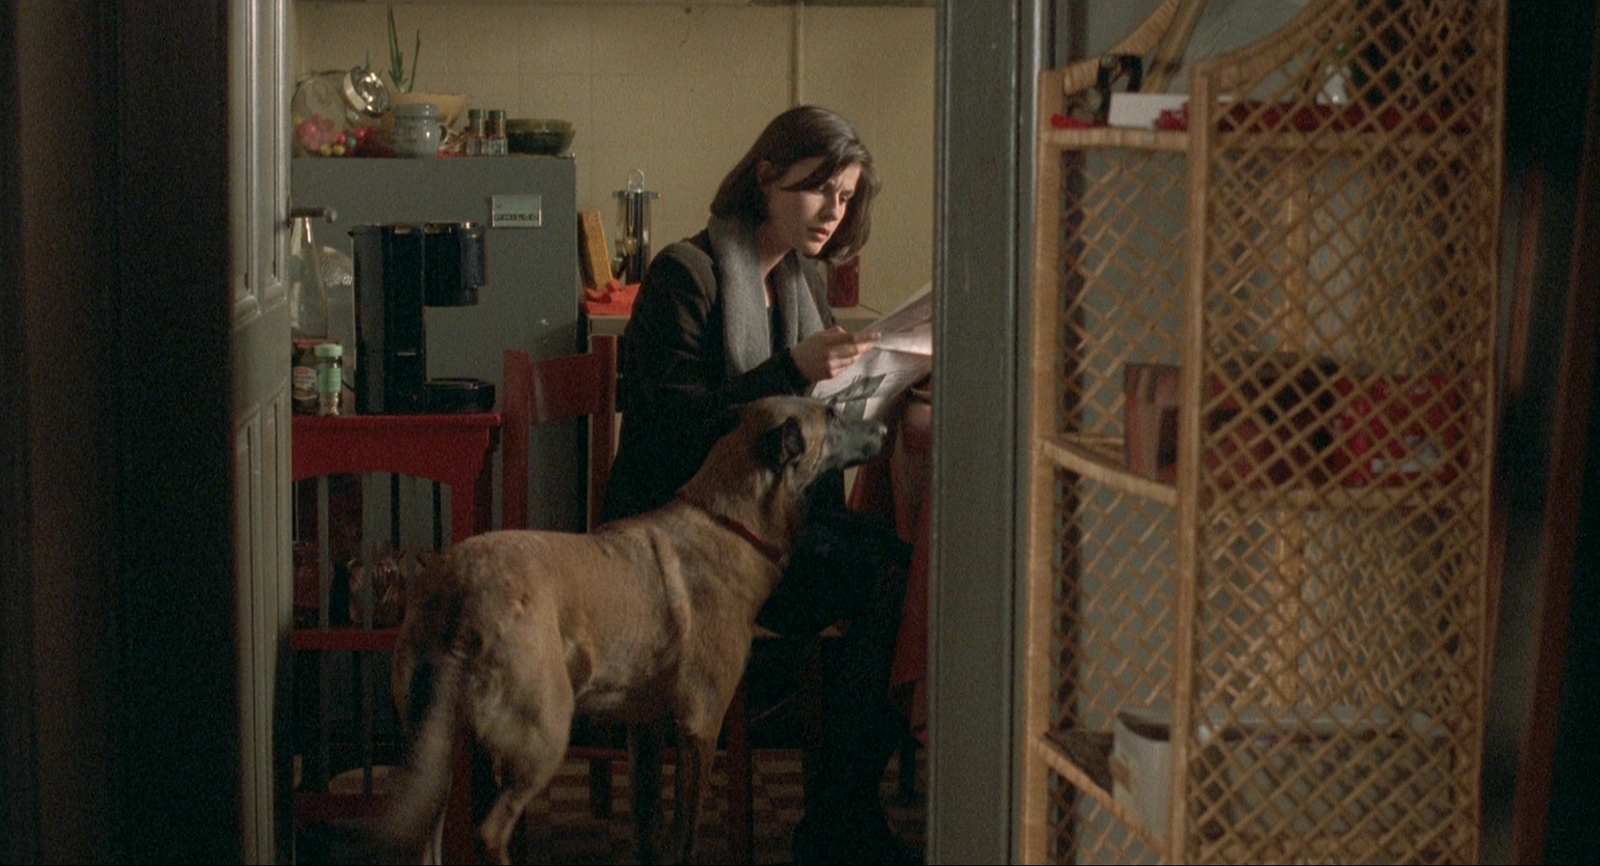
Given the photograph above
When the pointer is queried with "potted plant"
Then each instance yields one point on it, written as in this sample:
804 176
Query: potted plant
452 106
397 59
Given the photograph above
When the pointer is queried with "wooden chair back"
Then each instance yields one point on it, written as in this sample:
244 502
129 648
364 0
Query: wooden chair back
582 385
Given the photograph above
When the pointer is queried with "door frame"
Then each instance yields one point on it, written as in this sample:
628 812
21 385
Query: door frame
988 53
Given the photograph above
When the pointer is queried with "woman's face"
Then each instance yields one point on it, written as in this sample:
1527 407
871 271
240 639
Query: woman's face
804 220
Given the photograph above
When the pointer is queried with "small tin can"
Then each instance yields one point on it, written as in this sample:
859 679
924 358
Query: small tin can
330 377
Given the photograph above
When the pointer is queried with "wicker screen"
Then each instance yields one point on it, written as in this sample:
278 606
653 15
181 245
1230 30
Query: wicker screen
1263 402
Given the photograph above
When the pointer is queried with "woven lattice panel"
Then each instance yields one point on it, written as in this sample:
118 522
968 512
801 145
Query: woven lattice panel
1281 617
1085 832
1114 604
1121 266
1348 302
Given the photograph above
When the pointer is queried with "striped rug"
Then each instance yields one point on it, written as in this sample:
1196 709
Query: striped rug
561 829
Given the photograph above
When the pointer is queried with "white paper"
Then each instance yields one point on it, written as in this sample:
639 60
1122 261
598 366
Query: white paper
902 356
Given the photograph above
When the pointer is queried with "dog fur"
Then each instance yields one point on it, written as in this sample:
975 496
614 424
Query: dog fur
512 633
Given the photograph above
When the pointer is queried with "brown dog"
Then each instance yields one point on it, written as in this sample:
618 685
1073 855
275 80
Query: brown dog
513 632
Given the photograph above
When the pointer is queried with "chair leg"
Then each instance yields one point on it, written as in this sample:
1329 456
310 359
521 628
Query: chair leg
600 788
741 807
810 686
459 841
907 781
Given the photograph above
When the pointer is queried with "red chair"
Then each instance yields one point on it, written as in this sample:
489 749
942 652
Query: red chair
585 386
543 392
452 449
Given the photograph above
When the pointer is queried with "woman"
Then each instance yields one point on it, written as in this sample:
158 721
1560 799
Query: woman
737 312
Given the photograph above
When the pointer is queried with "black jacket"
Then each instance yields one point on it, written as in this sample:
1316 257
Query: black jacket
675 379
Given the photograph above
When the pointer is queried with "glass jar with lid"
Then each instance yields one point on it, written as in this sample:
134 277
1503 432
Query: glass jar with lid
333 112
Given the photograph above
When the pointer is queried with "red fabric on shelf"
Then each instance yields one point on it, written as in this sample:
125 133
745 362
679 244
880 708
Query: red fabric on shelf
1063 121
612 299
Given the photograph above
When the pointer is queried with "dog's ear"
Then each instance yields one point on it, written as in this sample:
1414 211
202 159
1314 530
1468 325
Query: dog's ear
779 446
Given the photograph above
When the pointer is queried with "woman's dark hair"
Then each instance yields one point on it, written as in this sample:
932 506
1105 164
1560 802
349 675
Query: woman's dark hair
802 133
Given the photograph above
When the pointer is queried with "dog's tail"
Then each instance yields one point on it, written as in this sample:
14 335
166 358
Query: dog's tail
423 783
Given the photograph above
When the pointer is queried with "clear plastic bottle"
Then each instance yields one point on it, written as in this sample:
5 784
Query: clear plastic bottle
330 377
308 297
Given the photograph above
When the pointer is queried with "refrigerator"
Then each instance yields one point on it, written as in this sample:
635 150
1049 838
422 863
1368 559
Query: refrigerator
529 301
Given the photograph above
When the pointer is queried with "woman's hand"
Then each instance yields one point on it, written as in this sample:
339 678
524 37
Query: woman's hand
825 354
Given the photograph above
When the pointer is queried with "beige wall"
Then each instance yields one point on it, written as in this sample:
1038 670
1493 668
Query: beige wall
678 90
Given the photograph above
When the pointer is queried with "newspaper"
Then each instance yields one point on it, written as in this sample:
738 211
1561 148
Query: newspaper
902 356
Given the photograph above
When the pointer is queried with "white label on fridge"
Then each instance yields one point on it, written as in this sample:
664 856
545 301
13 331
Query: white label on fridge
516 211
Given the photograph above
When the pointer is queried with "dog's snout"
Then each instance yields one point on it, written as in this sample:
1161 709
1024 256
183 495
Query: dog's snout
857 440
875 435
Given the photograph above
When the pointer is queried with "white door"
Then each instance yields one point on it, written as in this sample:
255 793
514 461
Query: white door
258 168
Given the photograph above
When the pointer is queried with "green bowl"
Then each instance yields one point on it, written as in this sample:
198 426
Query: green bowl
546 137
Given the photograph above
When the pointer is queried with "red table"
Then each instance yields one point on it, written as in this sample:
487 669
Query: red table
452 449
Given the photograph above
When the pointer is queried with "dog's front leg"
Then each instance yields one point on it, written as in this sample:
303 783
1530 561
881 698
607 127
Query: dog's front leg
696 751
644 756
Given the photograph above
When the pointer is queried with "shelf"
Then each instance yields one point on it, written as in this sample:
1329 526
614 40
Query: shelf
1100 459
1325 277
1351 140
1371 497
1051 753
1121 138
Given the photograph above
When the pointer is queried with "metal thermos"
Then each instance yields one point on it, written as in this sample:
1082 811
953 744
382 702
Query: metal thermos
633 228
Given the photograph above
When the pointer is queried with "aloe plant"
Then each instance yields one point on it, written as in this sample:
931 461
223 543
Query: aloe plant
397 59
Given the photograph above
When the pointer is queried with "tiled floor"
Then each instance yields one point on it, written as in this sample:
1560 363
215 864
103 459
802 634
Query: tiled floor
561 830
564 832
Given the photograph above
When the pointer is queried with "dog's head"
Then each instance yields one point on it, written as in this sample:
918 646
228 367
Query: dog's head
791 425
789 440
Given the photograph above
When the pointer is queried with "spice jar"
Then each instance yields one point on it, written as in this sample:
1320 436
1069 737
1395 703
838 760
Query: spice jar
496 143
330 377
477 131
303 377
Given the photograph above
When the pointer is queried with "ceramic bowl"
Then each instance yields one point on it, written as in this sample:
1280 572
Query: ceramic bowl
540 136
452 106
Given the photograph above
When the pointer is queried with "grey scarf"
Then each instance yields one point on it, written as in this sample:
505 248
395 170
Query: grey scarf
747 325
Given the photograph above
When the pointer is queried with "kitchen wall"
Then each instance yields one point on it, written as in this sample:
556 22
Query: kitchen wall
677 90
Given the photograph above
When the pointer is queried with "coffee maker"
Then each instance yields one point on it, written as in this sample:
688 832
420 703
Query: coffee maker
400 268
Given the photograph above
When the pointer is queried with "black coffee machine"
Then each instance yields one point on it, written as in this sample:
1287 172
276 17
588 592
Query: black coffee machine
400 268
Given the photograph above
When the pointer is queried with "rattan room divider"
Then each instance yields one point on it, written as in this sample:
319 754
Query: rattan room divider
1263 402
